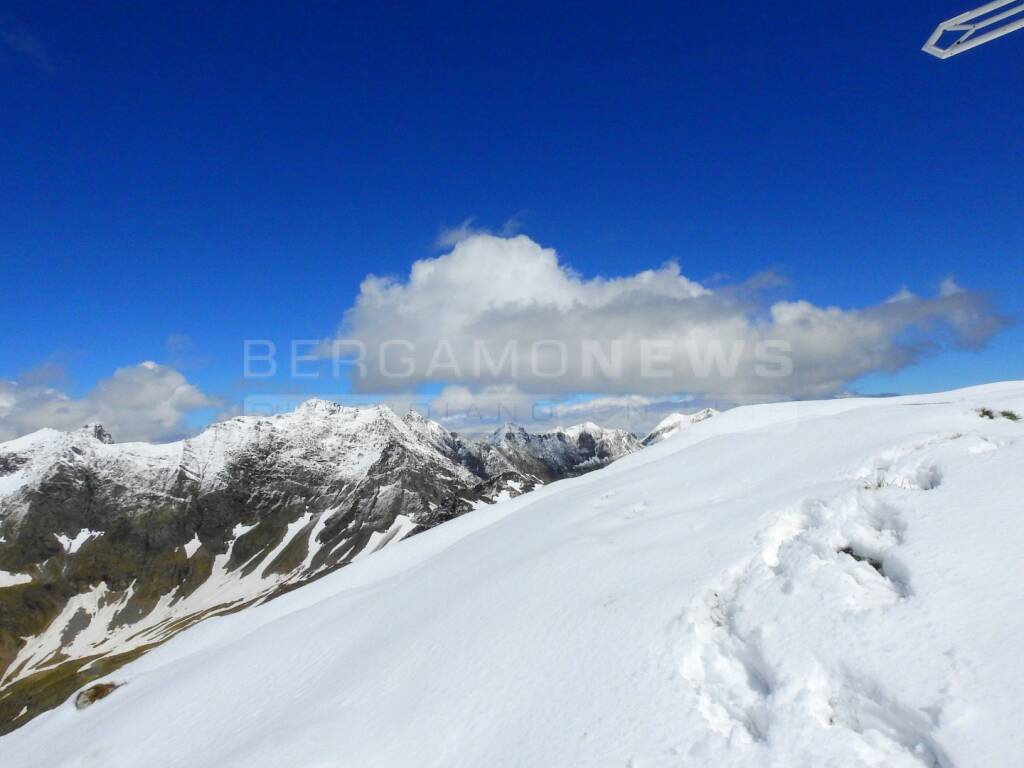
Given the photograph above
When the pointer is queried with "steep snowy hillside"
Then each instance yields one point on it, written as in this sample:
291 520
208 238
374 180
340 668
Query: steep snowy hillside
107 549
816 584
674 422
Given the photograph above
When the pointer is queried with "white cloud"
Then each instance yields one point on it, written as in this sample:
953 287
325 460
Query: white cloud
449 237
505 311
143 402
949 287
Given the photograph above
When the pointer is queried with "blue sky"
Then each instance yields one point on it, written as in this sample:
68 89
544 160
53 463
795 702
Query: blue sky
226 171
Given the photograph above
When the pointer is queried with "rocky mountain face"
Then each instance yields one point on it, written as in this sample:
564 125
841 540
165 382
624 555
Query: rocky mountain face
107 549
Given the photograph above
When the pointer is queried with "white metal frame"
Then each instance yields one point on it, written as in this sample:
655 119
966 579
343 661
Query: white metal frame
976 27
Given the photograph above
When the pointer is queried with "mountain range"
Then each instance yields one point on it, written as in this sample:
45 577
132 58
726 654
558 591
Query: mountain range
831 583
108 549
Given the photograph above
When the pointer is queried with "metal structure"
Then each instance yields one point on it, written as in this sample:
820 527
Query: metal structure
977 27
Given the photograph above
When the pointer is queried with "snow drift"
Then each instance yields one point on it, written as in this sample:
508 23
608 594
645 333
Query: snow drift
814 584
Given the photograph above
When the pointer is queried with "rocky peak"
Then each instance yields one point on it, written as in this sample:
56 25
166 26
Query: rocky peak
508 431
98 432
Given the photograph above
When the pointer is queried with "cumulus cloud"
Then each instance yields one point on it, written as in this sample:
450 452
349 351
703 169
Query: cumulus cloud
143 402
506 311
449 237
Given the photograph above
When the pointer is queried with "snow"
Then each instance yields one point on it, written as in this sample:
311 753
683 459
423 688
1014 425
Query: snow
47 449
399 529
674 422
192 546
811 584
8 579
94 613
11 483
587 427
322 442
52 640
339 441
72 545
241 529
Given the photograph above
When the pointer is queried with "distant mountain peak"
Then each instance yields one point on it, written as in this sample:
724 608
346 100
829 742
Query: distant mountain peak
508 429
675 422
586 426
320 405
98 432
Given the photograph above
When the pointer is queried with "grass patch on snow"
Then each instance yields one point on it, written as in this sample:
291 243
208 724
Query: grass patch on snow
988 413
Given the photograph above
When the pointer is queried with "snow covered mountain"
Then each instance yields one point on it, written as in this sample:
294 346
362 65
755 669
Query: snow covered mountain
553 455
813 584
674 422
107 549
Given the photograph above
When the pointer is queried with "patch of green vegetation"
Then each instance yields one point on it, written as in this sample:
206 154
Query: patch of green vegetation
292 556
988 413
25 611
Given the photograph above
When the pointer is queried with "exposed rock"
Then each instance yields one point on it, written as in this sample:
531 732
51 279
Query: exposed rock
94 693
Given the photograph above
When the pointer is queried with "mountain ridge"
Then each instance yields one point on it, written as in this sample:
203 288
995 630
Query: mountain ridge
787 584
108 548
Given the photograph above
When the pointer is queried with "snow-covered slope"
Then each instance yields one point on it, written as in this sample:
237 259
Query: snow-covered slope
107 548
815 584
674 422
